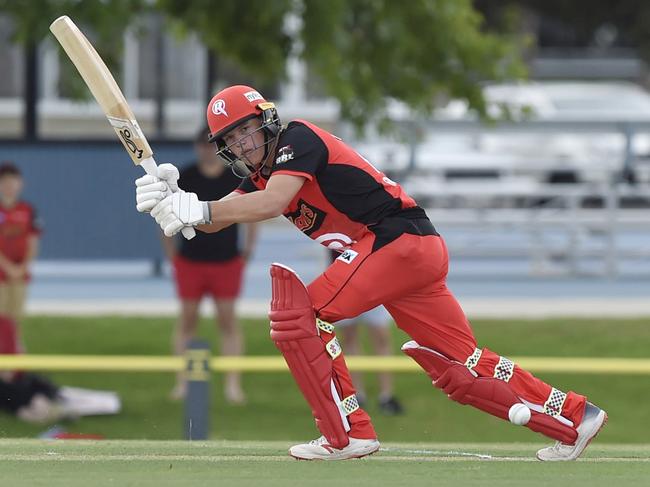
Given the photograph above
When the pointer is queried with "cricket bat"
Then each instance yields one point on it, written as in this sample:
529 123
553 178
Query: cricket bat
105 90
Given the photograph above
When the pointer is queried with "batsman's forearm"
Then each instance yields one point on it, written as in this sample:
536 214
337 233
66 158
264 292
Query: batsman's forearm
247 208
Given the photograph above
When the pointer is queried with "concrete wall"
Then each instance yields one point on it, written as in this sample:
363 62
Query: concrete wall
85 196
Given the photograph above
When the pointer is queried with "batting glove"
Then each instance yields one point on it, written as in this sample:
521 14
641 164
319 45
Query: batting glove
151 190
179 210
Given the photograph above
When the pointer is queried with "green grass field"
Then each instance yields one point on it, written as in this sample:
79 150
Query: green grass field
435 442
161 463
276 411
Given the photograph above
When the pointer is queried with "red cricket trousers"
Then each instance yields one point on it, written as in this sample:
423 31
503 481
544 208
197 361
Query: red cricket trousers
408 276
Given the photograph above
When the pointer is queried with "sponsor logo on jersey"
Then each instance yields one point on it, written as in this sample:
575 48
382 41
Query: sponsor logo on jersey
284 154
307 217
348 256
253 95
334 241
219 107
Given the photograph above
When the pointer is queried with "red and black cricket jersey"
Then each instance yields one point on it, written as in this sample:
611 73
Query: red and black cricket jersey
17 224
344 195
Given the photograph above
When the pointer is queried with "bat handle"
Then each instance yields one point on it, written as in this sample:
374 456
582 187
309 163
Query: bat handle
150 167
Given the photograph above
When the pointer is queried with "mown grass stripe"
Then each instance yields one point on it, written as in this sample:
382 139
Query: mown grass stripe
285 458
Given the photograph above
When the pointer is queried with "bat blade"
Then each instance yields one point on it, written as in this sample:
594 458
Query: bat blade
106 91
103 87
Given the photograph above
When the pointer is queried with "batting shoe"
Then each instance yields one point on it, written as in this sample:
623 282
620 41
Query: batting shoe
319 449
592 422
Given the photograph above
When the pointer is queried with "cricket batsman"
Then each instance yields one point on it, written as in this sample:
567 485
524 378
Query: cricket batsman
390 254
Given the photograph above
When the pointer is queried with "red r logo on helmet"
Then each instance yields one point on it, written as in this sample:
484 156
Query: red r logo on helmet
219 108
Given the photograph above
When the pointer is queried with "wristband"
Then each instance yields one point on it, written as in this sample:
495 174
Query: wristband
207 214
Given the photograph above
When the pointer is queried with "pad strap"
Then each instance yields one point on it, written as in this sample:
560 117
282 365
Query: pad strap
554 403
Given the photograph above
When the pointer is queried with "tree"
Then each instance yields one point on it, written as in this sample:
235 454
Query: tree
104 21
366 52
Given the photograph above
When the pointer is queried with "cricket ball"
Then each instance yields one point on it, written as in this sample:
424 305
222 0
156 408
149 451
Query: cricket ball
519 414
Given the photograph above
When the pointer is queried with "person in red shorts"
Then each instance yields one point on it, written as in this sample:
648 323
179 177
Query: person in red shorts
19 238
210 265
391 255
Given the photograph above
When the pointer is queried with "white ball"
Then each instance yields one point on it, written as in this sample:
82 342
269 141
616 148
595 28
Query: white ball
519 414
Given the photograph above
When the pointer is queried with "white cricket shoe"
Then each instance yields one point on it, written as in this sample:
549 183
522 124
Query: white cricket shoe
319 449
592 422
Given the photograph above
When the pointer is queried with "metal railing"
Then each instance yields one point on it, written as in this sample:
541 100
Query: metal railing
603 224
593 228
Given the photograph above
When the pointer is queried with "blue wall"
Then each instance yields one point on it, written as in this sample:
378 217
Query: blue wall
84 194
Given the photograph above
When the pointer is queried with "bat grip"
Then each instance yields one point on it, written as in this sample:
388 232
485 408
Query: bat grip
150 167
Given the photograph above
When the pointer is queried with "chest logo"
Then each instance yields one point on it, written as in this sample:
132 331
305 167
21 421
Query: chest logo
307 217
284 154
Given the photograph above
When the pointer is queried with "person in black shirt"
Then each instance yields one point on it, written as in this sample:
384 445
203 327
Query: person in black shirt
211 264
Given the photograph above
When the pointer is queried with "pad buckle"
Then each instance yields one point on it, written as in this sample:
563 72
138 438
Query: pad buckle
350 404
473 359
325 326
333 347
554 403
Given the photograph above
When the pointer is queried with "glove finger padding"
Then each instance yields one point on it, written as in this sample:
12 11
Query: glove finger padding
173 227
169 173
158 186
164 215
147 202
146 180
163 206
149 192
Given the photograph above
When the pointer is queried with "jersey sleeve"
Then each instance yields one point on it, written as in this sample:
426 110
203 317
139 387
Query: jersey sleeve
246 186
301 152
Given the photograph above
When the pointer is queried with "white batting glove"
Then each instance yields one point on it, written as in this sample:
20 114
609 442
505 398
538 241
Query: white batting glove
169 173
151 190
179 210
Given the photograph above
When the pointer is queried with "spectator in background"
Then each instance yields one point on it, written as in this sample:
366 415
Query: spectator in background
378 323
211 264
19 238
35 399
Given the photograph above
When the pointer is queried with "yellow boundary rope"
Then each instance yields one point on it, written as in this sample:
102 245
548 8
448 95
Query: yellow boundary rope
130 363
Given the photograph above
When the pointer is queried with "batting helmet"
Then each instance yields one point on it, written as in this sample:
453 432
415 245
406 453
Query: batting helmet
230 108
